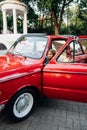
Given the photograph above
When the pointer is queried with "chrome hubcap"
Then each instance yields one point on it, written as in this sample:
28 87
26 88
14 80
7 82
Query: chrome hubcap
23 105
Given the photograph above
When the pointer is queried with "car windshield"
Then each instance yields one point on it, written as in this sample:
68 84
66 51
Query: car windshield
29 46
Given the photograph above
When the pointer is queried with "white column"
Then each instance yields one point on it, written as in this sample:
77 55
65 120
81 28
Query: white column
14 22
4 21
25 23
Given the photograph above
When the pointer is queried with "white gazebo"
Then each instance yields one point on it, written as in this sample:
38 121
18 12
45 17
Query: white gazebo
14 8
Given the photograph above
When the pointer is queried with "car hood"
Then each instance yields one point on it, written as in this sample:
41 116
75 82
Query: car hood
14 66
13 61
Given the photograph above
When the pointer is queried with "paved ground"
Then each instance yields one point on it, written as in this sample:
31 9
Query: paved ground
51 114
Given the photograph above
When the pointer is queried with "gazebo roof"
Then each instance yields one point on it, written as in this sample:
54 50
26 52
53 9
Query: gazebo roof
16 4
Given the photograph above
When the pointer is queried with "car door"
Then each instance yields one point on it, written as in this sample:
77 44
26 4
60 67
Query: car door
65 79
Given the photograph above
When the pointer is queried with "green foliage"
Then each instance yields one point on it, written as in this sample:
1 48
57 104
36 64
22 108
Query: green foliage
32 17
47 30
19 25
76 17
9 21
82 15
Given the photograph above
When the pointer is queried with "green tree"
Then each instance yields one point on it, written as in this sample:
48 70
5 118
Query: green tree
82 15
77 19
54 8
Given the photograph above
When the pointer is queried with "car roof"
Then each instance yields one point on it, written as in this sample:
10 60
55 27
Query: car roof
49 36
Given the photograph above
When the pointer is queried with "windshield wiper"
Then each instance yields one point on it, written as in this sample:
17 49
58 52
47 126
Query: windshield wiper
9 52
16 53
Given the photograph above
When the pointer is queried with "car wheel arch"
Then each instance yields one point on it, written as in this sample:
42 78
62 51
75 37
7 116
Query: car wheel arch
32 90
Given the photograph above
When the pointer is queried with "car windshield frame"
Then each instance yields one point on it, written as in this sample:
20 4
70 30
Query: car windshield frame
29 46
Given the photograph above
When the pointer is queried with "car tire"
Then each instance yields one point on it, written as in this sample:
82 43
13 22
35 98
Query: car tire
22 104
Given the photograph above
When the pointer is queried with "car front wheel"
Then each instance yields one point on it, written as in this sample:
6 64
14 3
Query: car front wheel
22 104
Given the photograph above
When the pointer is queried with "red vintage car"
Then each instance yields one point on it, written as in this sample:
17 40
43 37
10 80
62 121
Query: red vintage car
24 78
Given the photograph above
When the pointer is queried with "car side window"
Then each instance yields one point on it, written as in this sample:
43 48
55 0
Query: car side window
84 44
70 52
78 49
57 44
67 54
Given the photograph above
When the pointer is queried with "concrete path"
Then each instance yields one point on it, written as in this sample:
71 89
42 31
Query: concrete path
51 114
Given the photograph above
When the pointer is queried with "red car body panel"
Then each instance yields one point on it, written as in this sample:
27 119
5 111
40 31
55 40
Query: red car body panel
55 80
62 81
27 73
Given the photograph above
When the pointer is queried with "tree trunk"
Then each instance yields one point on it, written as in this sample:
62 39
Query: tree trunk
56 25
